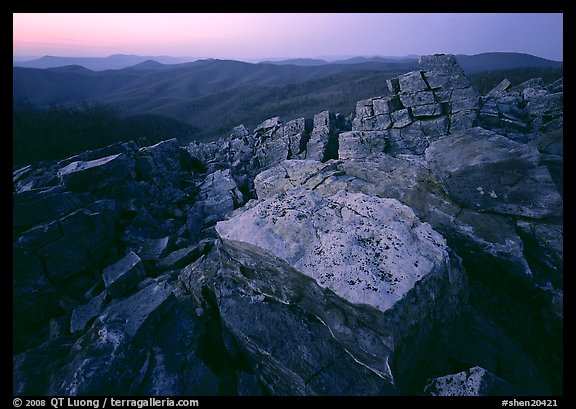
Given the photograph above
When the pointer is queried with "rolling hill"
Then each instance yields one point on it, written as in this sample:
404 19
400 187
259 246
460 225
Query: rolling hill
209 95
113 62
502 61
212 96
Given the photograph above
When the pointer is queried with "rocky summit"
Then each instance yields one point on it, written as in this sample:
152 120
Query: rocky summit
413 248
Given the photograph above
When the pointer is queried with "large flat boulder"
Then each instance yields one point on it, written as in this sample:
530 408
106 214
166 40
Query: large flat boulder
489 172
366 249
370 252
96 174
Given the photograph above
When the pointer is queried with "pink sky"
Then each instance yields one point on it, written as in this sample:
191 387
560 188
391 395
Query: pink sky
253 36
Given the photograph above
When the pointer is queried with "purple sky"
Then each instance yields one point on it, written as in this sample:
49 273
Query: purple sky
260 36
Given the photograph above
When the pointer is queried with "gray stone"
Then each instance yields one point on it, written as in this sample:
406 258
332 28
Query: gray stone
531 83
414 139
182 257
292 173
82 315
427 110
268 125
264 271
551 147
532 93
550 104
401 118
124 275
322 136
464 93
97 173
219 195
307 361
395 145
165 157
443 71
383 122
363 238
364 108
154 249
295 132
239 132
414 99
502 87
463 120
386 105
373 123
174 369
544 244
411 83
443 96
436 79
273 149
393 85
86 238
113 356
40 235
128 148
465 105
359 145
276 142
489 172
556 86
445 63
434 128
408 179
334 348
36 206
475 381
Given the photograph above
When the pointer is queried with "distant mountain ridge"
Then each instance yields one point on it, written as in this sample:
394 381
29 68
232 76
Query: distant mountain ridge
214 95
503 61
469 63
354 60
113 62
149 79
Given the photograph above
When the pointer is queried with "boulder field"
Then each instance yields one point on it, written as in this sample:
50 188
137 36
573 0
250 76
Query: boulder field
414 248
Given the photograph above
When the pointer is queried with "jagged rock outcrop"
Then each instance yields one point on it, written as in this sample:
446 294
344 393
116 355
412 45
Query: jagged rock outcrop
425 105
219 195
298 139
523 111
308 257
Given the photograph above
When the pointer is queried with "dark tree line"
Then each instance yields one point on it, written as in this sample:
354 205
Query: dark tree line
58 132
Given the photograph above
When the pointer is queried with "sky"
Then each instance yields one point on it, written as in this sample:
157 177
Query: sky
285 35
